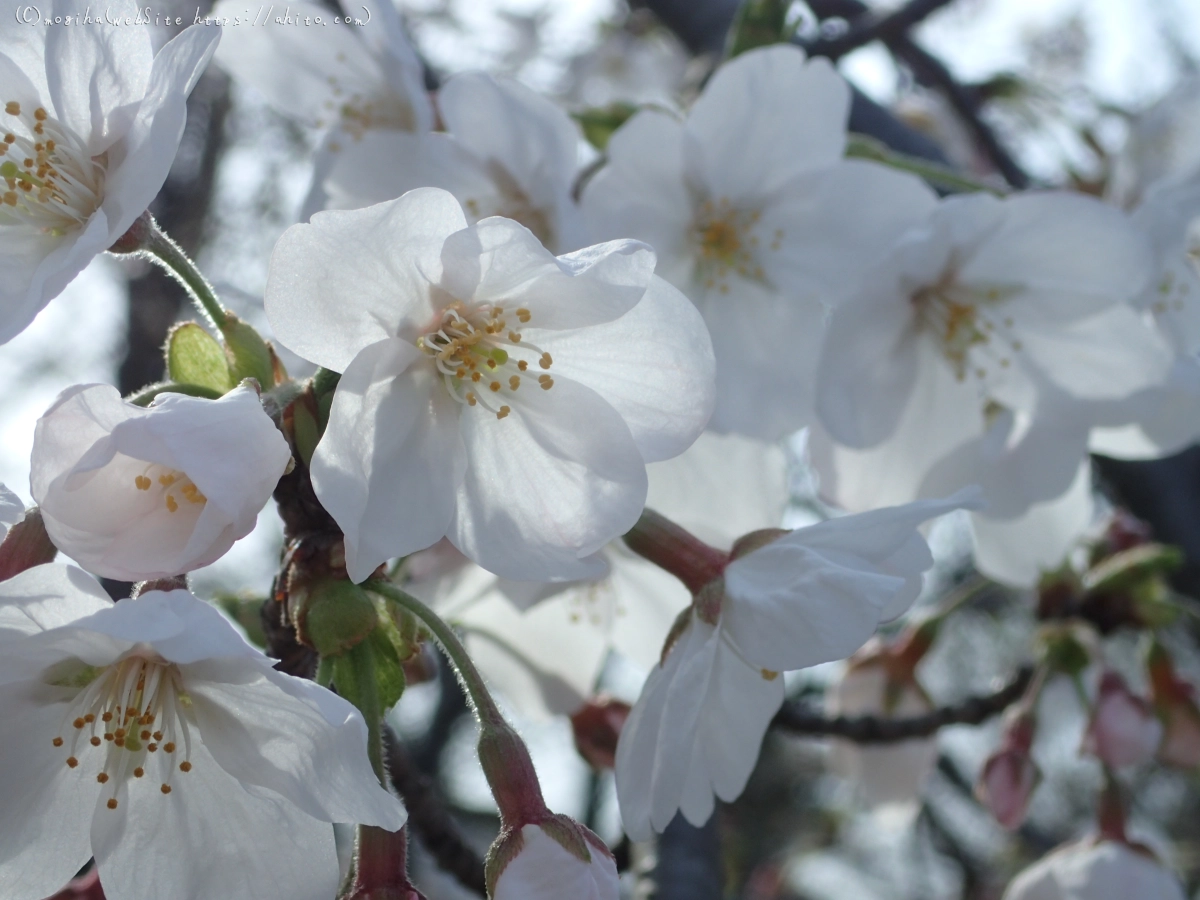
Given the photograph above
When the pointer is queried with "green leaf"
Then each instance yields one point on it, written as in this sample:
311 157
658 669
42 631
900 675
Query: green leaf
195 357
599 123
248 355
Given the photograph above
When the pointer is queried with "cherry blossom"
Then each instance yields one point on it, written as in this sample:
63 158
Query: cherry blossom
813 595
148 734
511 397
506 151
91 121
136 492
544 869
1096 870
758 219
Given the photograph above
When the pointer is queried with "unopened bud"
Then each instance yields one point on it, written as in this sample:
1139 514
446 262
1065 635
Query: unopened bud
553 859
25 545
331 615
1123 730
597 726
1010 776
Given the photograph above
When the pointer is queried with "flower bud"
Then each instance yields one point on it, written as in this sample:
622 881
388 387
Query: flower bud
1123 730
1009 775
26 543
1175 703
597 726
551 860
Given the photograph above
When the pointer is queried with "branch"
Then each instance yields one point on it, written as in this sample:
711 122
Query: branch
931 72
430 820
974 710
875 27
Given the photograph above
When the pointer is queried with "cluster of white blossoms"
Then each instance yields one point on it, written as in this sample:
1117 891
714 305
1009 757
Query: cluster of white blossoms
533 377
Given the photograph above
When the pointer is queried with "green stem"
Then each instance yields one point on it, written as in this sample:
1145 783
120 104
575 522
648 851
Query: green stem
324 676
477 693
366 698
859 146
145 237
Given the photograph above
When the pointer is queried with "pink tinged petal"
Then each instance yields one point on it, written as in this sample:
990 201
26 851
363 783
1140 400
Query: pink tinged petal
351 278
547 486
1017 551
97 76
44 835
641 193
290 737
653 365
254 844
1104 870
765 117
138 165
304 73
766 346
544 870
391 457
48 596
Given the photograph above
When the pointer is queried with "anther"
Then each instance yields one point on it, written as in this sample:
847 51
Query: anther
13 108
524 315
152 747
545 362
495 385
39 113
158 735
72 762
522 365
166 789
95 741
185 766
169 747
102 778
142 482
172 504
514 382
58 742
112 803
139 772
89 718
504 411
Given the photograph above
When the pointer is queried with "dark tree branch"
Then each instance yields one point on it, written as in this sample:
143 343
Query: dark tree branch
874 27
430 820
931 72
689 862
795 719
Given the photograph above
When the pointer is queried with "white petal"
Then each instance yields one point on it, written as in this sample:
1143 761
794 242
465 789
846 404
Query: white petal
1017 551
378 262
764 117
653 365
391 446
47 843
254 846
547 486
139 169
544 870
46 597
291 737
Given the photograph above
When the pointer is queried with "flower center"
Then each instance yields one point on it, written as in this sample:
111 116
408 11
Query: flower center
483 360
175 488
726 240
962 320
129 716
51 184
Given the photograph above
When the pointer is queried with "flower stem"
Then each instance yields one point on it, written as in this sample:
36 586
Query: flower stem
505 758
146 238
676 550
146 394
366 691
381 866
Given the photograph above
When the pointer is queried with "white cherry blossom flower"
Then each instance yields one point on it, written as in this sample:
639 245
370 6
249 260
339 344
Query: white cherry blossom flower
543 869
811 596
507 151
977 351
491 392
351 81
758 219
136 492
148 734
90 119
1096 870
543 645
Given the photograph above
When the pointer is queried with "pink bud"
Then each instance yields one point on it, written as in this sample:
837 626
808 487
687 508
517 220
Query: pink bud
1009 776
597 726
1123 730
